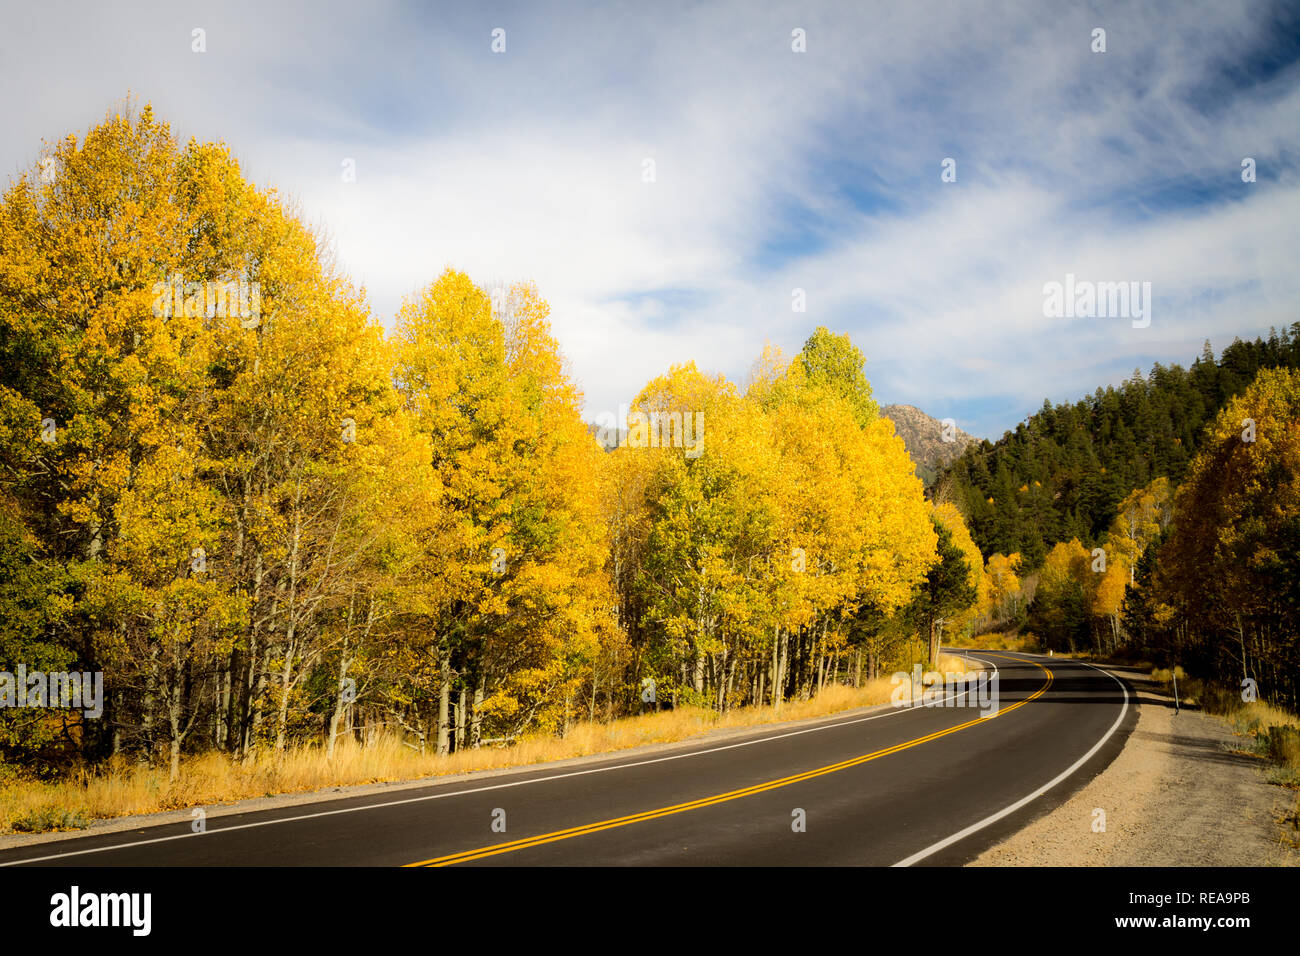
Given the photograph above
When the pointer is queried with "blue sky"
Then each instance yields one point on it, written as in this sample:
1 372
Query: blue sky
775 170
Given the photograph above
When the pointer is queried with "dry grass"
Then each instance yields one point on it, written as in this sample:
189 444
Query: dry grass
1267 715
1275 735
124 788
1000 641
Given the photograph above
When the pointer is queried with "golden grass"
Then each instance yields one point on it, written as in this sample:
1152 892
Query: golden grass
1164 675
1267 715
123 788
1000 641
1275 735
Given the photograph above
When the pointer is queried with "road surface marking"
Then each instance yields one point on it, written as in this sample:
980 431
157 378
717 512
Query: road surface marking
830 724
962 834
495 849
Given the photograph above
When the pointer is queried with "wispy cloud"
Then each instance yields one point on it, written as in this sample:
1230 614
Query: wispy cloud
773 169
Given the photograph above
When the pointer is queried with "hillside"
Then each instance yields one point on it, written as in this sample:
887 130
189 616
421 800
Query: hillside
926 441
1063 470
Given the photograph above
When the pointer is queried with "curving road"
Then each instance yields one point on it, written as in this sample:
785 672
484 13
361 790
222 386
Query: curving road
925 785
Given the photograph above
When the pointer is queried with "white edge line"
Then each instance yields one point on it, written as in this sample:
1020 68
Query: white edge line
459 793
962 834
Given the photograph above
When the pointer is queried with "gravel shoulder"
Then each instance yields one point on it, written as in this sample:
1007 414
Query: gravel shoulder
1177 795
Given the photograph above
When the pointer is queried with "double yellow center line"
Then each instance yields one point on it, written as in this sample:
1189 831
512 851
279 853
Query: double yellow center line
495 849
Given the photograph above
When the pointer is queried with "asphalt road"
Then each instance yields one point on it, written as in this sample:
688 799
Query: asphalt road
923 785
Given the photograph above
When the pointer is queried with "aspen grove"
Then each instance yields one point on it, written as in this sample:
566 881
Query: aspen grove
281 526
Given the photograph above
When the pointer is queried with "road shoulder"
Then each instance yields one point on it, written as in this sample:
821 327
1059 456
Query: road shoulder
1176 795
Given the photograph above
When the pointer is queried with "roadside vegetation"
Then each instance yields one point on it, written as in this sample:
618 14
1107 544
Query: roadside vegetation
998 641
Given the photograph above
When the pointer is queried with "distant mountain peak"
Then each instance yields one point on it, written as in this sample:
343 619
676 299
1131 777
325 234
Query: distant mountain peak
931 444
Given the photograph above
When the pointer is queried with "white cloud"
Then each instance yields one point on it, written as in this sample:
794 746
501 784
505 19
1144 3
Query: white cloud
529 165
